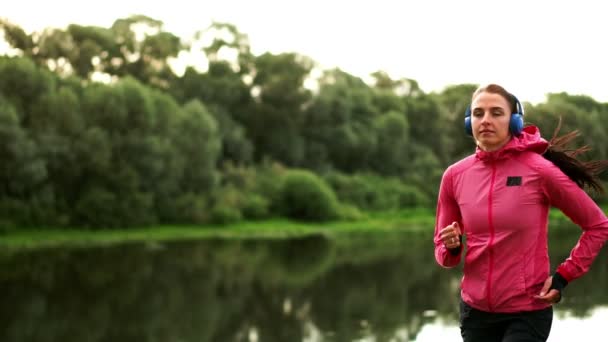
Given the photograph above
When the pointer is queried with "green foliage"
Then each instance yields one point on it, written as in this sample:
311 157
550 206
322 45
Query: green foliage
236 147
95 208
225 215
268 183
339 125
350 213
151 146
23 169
13 213
225 36
22 83
187 207
392 155
305 196
275 121
228 201
375 193
15 35
198 139
424 117
577 113
255 207
425 171
245 192
453 101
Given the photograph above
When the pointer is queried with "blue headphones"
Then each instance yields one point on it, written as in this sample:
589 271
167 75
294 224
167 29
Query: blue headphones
516 125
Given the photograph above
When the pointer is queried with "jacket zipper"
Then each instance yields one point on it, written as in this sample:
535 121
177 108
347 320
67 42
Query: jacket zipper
491 242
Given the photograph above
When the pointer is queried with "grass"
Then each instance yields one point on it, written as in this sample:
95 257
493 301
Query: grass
411 220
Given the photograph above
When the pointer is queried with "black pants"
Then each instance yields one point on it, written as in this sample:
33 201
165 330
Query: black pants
529 326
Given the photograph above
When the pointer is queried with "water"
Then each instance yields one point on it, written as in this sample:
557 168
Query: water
357 287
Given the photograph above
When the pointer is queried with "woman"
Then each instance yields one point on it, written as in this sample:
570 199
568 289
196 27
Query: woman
499 198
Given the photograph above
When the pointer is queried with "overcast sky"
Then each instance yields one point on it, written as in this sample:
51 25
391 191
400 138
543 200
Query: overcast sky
531 47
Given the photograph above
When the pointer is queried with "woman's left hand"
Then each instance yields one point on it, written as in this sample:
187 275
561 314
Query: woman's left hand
547 294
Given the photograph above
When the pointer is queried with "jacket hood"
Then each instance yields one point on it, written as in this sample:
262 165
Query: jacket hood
528 140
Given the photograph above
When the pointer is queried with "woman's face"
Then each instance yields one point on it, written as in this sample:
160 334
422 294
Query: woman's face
490 116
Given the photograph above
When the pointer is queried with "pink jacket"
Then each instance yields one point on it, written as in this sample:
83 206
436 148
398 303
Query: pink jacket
501 200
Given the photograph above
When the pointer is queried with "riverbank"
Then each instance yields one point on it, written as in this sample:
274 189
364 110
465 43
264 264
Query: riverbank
410 219
414 220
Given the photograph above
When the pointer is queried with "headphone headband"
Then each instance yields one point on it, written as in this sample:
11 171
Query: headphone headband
518 107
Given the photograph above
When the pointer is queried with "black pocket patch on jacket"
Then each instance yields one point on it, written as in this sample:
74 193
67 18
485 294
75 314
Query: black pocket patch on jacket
514 181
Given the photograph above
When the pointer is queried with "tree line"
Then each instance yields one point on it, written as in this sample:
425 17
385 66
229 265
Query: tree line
244 137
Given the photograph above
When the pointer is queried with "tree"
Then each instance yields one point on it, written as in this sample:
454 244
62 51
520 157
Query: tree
275 122
392 155
135 46
577 112
453 102
23 170
339 124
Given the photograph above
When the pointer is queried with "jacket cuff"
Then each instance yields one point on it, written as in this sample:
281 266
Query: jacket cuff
558 282
455 251
564 273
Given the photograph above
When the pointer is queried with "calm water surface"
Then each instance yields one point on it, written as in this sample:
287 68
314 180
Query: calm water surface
357 287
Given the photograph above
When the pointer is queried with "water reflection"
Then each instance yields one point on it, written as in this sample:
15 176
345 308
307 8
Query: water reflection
380 287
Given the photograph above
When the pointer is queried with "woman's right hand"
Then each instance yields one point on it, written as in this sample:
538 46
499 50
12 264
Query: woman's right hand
450 235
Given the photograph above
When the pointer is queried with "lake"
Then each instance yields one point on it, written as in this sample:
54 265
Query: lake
351 287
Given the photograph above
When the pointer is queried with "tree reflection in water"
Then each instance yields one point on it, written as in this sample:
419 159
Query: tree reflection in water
382 285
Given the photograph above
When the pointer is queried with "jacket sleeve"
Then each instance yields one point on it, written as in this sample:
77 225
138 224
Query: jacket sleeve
566 195
447 212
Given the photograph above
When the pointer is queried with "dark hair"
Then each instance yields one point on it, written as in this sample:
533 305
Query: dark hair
581 172
496 89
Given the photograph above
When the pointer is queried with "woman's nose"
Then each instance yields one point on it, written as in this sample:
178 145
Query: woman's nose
485 118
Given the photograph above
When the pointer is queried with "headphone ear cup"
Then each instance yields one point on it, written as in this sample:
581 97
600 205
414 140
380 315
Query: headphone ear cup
467 121
516 125
467 125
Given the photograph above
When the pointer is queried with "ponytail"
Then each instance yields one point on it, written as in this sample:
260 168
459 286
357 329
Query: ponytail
581 172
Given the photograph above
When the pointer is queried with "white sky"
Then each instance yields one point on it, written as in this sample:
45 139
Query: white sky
532 47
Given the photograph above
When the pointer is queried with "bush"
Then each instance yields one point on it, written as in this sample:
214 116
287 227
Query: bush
411 197
305 196
12 213
189 208
257 188
350 213
373 192
267 186
224 215
227 206
353 190
97 208
255 207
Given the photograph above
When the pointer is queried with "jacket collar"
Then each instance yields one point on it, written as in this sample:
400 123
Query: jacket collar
528 140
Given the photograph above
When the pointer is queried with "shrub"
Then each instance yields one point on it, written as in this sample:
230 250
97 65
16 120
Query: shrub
190 208
305 196
224 214
373 192
350 212
227 206
255 207
410 197
97 208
